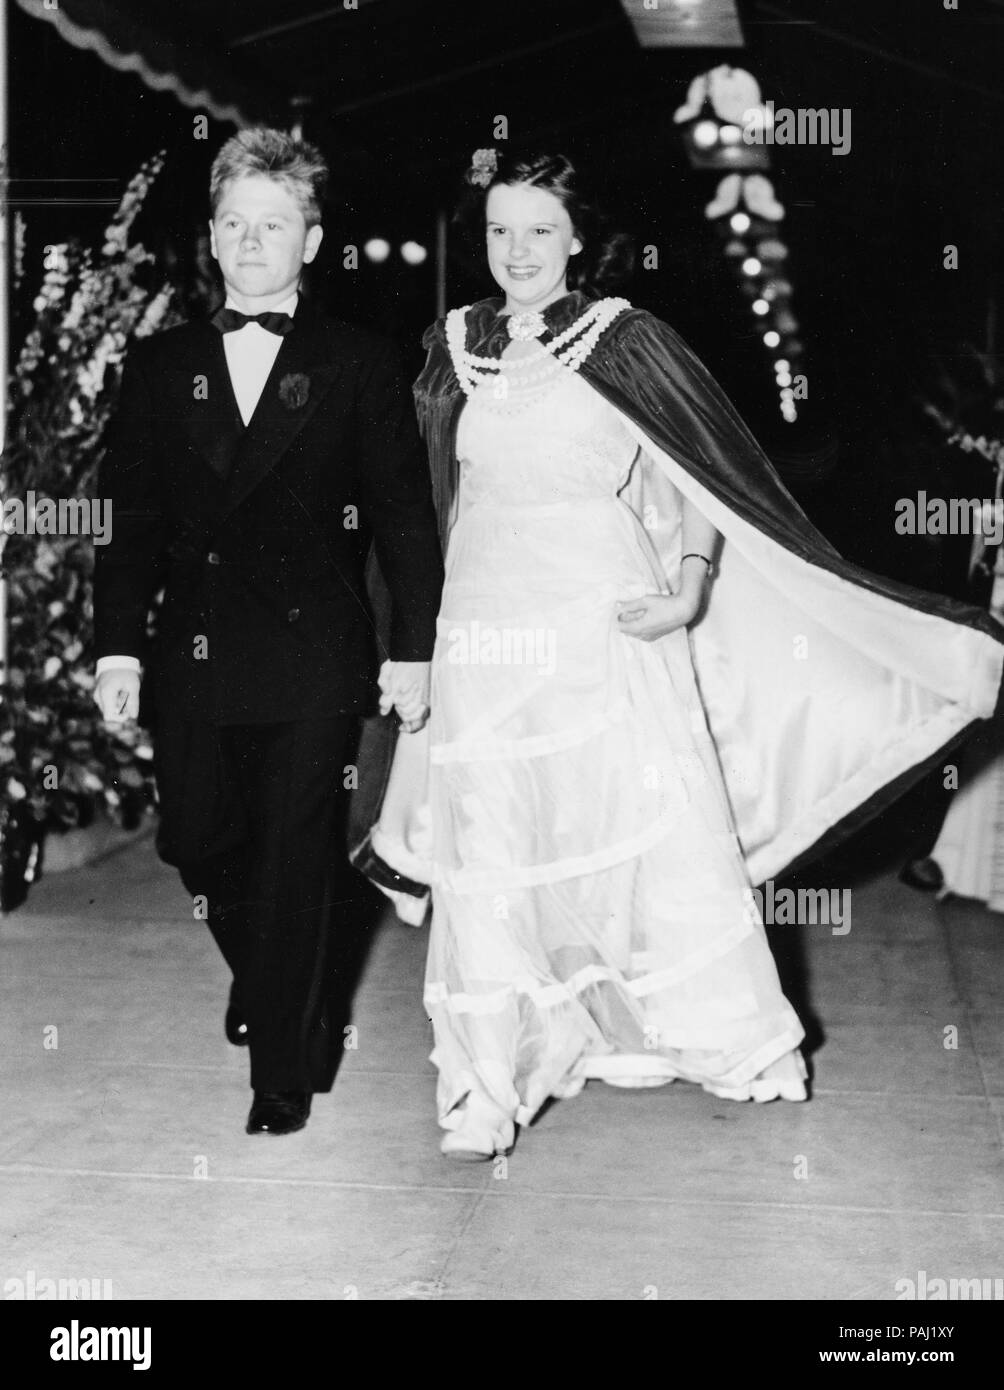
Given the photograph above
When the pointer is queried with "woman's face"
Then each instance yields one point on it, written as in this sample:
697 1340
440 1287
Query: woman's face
530 238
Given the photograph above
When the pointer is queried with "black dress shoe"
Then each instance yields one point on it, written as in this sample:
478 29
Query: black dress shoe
923 874
278 1112
235 1027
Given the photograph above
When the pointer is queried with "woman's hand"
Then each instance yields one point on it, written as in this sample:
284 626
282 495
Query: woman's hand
654 615
404 687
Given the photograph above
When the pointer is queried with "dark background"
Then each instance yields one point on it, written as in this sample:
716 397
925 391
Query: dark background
399 92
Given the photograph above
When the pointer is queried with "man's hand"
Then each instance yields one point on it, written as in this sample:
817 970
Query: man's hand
116 694
404 686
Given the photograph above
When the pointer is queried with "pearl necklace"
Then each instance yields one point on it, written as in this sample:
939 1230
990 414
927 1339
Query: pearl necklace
570 348
512 395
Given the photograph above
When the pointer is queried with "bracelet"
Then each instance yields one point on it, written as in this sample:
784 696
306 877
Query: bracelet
696 555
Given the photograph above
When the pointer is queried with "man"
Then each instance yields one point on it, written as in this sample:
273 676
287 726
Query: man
251 459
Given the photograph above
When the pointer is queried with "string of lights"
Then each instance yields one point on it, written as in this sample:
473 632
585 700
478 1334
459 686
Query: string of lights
726 126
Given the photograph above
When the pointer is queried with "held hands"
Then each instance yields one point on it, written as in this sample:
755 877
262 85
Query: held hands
116 694
404 686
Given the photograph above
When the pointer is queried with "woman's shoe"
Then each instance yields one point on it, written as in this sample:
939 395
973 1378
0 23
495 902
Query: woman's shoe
463 1148
783 1080
410 898
479 1135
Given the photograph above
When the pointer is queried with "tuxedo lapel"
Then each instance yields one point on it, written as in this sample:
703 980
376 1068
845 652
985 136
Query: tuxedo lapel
214 421
299 380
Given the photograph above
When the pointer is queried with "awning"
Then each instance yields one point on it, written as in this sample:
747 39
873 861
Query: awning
164 62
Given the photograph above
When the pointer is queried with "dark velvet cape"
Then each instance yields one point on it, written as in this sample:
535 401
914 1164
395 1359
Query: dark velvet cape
827 689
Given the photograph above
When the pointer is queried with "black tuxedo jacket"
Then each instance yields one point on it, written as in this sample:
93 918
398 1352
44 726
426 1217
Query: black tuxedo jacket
259 536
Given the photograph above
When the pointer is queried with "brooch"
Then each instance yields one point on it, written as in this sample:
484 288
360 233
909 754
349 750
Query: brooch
523 328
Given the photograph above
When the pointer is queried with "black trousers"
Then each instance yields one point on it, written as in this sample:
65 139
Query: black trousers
253 816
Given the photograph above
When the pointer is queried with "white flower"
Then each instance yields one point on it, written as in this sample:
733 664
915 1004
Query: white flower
20 236
91 378
75 312
154 313
87 382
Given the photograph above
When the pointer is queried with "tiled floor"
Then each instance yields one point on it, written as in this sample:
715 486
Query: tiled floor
123 1157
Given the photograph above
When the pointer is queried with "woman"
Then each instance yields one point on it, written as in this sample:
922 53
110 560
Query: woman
968 858
654 684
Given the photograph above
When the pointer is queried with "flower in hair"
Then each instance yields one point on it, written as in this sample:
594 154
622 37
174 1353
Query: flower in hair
484 166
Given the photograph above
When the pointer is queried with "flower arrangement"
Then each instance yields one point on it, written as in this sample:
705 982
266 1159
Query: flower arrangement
970 418
971 390
59 763
990 449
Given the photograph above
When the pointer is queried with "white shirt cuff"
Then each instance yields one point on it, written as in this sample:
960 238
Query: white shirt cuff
116 663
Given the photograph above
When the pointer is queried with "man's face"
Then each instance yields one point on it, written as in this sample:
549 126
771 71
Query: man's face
261 240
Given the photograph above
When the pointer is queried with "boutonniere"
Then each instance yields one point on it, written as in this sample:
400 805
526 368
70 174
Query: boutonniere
294 388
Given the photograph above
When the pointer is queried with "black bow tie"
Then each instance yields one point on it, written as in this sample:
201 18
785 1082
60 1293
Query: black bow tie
229 320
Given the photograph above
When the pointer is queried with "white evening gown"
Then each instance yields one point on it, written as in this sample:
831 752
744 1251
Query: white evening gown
591 907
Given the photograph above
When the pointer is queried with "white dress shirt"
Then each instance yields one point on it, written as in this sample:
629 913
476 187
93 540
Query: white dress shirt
250 352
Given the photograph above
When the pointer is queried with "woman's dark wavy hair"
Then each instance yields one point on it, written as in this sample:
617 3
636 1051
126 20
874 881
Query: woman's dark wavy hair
607 256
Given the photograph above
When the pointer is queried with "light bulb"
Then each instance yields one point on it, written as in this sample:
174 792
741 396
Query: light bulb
705 134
